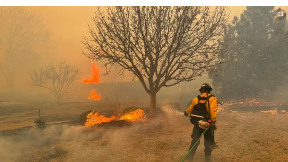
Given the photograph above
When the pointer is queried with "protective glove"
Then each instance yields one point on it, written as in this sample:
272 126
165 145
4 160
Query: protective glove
213 125
185 113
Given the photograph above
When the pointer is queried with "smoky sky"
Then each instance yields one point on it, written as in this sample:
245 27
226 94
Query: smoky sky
67 25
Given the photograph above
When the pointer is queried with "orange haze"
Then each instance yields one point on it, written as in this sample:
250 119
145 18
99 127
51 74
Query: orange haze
68 24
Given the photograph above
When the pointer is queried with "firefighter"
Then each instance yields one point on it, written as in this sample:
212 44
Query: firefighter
203 107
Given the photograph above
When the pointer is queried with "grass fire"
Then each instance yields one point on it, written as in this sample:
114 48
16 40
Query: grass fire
95 118
143 83
95 72
94 96
95 75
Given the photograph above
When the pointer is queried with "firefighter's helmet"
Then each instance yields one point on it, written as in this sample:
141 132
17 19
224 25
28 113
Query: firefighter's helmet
205 86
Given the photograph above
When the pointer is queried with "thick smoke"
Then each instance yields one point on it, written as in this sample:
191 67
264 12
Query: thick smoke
70 143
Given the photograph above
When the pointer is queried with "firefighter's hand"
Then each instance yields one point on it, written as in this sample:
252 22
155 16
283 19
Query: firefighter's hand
213 124
185 113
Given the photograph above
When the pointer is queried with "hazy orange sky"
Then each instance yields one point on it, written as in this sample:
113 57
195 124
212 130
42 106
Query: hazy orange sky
68 24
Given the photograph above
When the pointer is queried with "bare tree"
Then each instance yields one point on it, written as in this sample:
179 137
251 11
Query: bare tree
22 37
160 46
55 77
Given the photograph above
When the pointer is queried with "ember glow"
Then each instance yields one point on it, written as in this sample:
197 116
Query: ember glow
96 118
95 75
275 111
94 96
252 103
270 111
247 102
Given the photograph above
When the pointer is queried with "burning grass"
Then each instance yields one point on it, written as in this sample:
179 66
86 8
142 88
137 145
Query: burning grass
137 115
254 106
95 75
95 118
242 137
252 102
95 72
94 96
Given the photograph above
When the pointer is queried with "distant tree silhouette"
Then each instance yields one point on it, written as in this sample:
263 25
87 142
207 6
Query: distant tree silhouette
55 77
22 37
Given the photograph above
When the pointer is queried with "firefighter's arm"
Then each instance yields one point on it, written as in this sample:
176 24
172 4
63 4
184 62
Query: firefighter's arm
213 108
190 108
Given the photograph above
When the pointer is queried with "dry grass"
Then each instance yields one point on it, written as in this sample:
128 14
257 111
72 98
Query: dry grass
242 137
19 115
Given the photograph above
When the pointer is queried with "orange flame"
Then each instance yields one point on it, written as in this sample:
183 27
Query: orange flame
274 111
271 111
94 96
134 115
96 118
95 75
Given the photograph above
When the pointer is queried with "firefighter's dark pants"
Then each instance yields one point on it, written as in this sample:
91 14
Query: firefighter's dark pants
208 140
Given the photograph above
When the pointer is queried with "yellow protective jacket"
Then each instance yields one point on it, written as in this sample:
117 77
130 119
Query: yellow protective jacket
212 102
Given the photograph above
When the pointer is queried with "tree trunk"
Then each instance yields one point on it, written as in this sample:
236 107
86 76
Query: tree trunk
59 97
153 104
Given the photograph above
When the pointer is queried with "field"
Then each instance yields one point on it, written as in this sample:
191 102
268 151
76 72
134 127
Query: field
242 137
